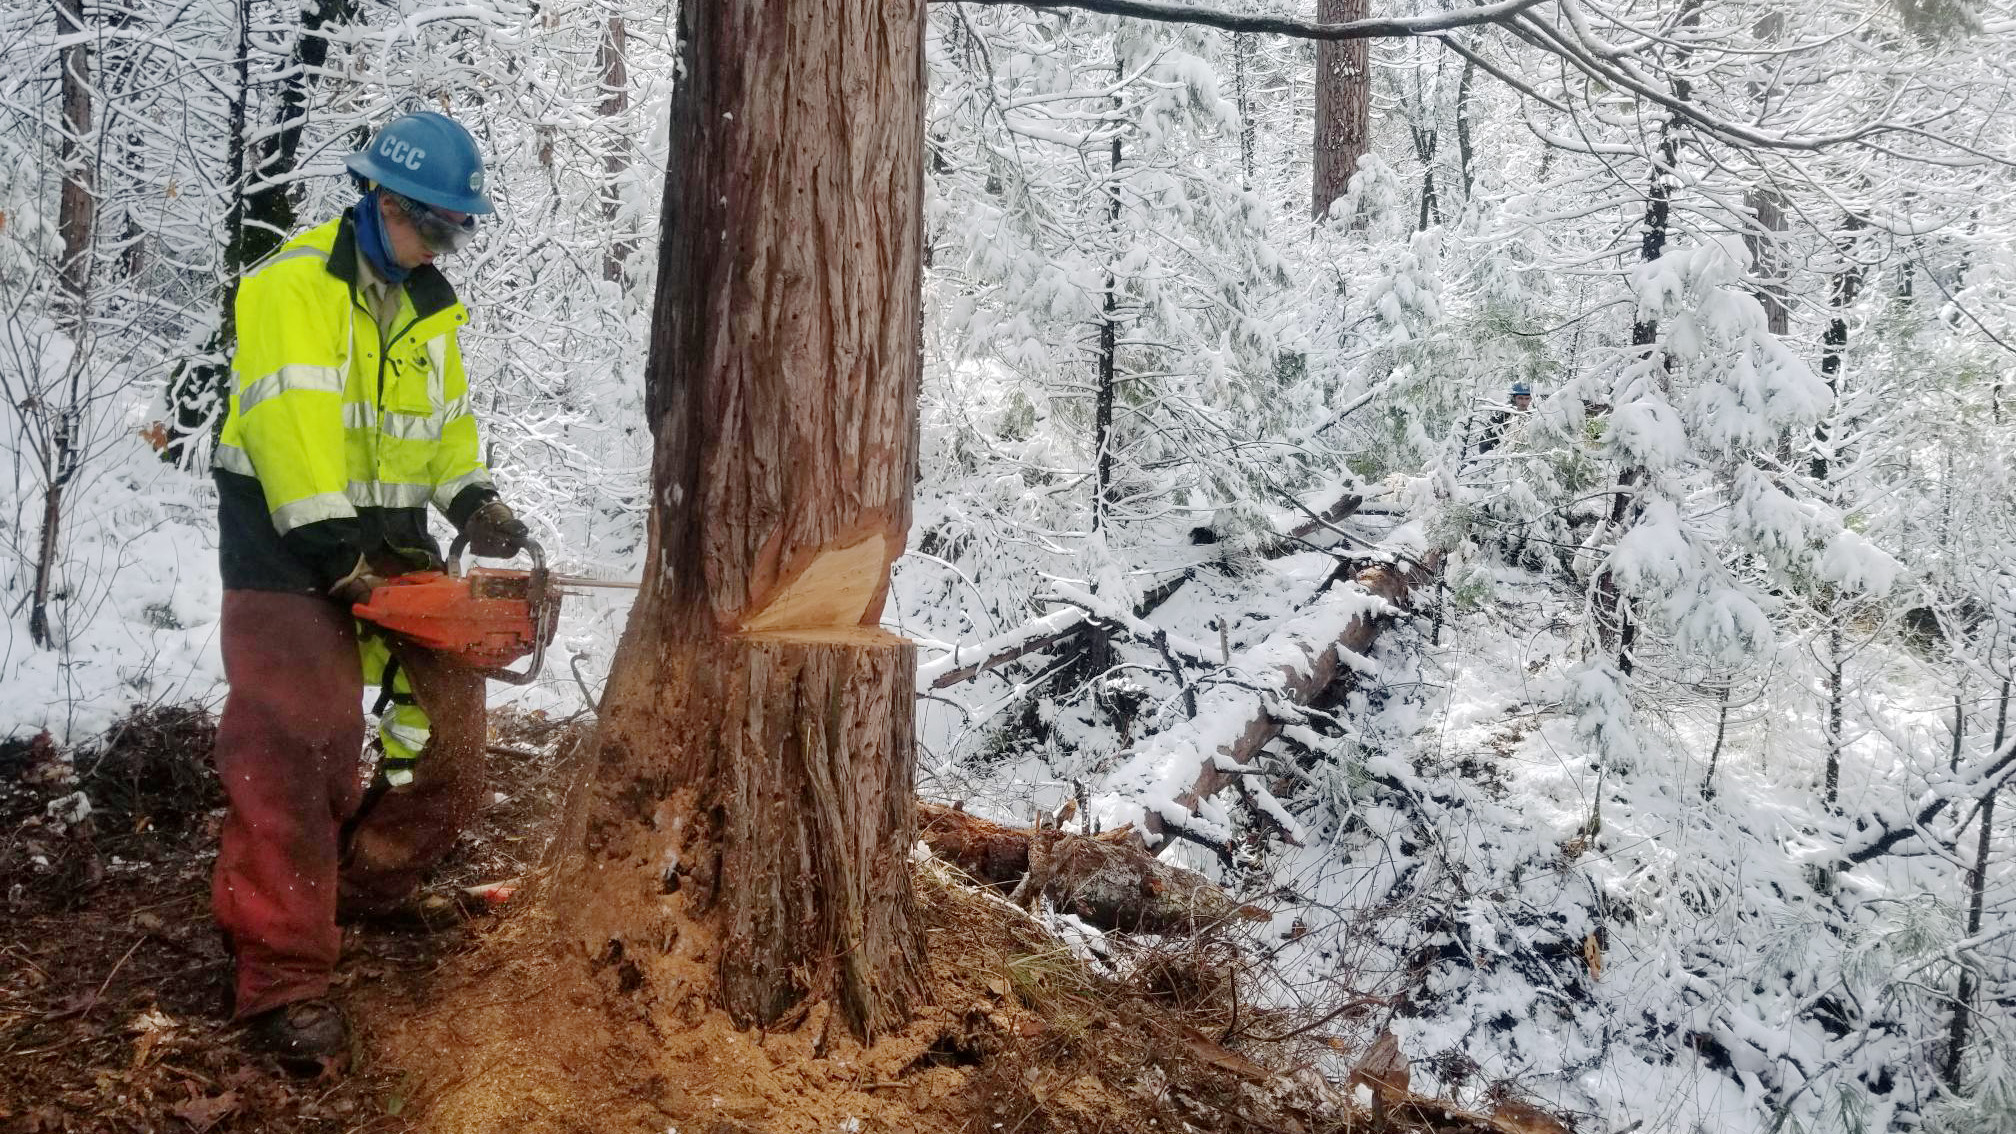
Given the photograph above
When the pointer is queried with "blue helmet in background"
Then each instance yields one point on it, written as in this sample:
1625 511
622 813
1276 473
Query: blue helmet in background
429 158
1521 390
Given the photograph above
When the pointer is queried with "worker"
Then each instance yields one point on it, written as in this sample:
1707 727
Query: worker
349 414
1503 421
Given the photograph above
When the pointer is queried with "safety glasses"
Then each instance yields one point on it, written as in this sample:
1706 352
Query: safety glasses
441 231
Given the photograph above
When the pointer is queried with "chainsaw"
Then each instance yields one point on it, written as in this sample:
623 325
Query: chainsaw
484 618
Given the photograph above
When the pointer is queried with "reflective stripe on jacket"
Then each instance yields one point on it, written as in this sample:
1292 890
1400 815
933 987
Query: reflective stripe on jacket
348 432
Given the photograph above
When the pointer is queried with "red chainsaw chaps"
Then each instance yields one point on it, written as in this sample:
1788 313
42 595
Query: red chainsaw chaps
288 753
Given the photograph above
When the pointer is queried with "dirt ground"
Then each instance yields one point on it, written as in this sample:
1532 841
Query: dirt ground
113 981
113 985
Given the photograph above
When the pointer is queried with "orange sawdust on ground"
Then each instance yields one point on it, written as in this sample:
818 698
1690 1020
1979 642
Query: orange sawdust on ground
534 1035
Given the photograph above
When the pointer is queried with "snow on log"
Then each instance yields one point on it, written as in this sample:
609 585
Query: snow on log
1160 786
1110 880
1065 624
1001 649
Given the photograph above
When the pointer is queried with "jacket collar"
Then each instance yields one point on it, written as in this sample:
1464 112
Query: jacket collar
428 289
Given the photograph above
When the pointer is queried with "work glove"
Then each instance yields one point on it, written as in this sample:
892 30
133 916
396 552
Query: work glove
357 586
494 532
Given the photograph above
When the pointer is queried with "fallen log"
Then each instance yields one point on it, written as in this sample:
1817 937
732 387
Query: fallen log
1031 637
1162 783
1110 880
1065 627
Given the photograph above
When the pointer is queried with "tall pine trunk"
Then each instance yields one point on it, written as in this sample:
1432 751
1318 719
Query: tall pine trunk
1343 105
1837 664
752 801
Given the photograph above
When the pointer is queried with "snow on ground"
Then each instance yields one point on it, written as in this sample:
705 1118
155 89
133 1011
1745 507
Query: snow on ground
1604 937
1597 935
135 619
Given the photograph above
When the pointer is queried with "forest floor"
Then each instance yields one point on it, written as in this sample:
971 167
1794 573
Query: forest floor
113 991
113 980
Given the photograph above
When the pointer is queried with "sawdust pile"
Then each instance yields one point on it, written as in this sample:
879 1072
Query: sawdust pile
1021 1036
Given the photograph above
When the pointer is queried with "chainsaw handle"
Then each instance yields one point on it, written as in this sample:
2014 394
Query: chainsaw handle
531 546
536 594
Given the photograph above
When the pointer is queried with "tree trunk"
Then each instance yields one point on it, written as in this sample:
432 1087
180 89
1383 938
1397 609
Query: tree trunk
1766 203
1308 656
1343 105
1242 85
1977 886
270 215
1109 348
76 218
1465 154
616 161
756 745
1836 663
1847 284
1426 138
1061 629
1111 880
77 205
261 216
1721 733
1767 258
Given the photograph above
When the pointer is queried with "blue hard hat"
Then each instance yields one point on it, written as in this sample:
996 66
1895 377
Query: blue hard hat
1521 389
429 158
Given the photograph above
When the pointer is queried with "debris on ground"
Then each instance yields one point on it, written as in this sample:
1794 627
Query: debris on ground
112 997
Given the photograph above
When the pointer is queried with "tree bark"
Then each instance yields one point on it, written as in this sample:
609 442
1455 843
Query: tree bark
1767 257
1830 785
1388 583
1062 629
77 204
1242 85
1721 733
1108 362
1343 105
753 790
615 69
1977 885
1465 153
1767 204
76 219
1846 285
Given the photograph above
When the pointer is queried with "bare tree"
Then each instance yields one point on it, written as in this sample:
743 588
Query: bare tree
58 444
261 213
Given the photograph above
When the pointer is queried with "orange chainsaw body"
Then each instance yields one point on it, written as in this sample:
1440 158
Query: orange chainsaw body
483 618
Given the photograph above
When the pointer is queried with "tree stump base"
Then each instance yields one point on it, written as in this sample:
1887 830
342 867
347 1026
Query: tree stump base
748 804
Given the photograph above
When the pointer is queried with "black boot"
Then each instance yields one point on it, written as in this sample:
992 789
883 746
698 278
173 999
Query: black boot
416 913
307 1036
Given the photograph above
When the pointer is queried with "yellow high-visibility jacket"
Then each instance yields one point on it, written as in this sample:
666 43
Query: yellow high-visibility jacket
339 435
